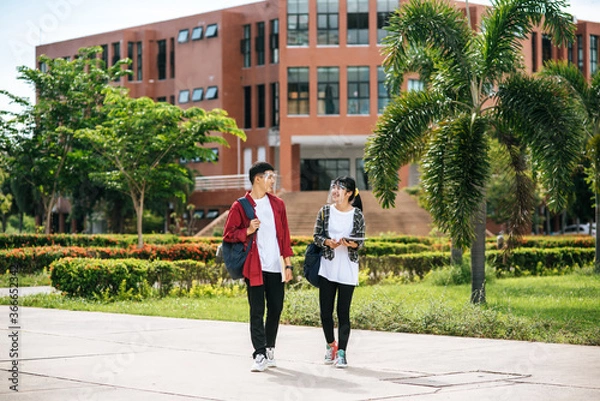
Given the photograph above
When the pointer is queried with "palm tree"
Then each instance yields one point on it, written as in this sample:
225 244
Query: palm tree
588 94
475 92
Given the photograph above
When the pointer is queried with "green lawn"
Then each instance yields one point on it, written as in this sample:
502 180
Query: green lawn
560 309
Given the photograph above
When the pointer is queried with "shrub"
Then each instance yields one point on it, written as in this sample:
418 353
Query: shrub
86 277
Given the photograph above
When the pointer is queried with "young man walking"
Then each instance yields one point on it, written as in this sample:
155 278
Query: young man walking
267 267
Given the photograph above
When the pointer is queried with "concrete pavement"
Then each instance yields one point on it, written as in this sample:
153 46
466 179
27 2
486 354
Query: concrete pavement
64 355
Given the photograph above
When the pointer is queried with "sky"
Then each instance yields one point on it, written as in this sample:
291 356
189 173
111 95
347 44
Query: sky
29 23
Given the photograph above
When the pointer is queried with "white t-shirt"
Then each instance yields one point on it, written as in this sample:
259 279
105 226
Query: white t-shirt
268 246
340 269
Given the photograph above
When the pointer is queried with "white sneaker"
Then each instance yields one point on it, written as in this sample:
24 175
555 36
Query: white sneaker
260 363
271 362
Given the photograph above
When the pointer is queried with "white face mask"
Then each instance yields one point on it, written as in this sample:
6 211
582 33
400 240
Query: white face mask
270 181
337 192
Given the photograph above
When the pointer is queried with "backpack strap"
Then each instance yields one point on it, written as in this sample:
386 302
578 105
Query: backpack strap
248 209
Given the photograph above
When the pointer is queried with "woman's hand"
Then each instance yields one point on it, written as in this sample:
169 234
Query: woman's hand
331 243
348 243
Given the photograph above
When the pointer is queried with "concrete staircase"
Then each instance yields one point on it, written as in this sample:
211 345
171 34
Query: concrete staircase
406 218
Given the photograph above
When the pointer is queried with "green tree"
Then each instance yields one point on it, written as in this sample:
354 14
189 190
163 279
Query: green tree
143 141
475 90
45 152
588 95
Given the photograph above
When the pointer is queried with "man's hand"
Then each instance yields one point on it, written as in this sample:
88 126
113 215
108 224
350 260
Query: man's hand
253 227
289 275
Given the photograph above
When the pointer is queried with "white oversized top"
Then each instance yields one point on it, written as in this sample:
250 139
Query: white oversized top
340 269
268 247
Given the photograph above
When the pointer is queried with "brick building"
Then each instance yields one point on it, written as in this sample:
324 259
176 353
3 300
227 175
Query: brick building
303 78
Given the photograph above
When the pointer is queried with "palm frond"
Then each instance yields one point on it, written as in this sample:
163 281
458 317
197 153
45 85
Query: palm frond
425 25
455 172
398 140
509 22
551 124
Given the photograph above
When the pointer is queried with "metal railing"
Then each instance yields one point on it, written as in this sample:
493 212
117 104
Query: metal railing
221 182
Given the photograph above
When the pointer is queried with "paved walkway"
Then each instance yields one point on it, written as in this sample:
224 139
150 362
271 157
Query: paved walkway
100 356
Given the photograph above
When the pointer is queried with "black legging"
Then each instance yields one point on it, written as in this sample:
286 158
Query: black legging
327 291
264 332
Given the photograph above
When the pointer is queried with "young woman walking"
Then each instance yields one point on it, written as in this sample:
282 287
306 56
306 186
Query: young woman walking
339 231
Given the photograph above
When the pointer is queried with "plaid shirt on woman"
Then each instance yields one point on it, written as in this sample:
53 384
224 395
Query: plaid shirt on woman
321 233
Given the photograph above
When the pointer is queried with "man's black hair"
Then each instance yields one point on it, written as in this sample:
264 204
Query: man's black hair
259 168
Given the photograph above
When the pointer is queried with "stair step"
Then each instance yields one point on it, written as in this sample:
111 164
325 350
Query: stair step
407 218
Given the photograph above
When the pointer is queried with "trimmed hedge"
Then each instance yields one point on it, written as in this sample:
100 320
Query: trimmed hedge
101 278
538 262
35 259
88 277
10 241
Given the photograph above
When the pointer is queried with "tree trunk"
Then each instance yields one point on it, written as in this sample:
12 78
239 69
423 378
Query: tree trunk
138 205
478 258
456 255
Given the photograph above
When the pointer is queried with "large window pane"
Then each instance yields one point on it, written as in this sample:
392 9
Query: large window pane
384 11
298 96
317 174
327 22
383 93
358 90
358 22
297 22
328 90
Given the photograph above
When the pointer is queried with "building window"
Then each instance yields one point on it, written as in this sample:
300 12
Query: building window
260 89
328 22
130 57
172 58
298 96
358 90
358 22
328 96
593 54
362 180
104 55
534 51
546 48
383 93
570 53
297 22
385 8
245 46
212 31
184 96
212 93
161 59
172 99
260 43
275 104
212 213
274 41
317 174
161 99
415 85
247 107
580 52
43 67
183 36
116 53
139 61
197 33
197 94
